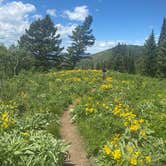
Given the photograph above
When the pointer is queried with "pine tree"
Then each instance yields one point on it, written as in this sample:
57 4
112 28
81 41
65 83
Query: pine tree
98 66
161 54
119 59
43 42
163 33
116 59
161 60
82 38
150 55
131 63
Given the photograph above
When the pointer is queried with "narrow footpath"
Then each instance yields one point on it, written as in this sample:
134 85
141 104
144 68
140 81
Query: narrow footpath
69 132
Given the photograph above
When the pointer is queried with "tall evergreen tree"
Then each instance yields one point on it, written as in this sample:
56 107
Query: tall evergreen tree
161 60
161 54
163 33
131 63
42 40
119 59
82 38
150 55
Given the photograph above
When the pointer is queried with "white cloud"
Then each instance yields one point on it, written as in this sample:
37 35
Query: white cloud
14 20
51 12
1 1
104 45
139 42
79 13
101 46
97 47
64 31
37 16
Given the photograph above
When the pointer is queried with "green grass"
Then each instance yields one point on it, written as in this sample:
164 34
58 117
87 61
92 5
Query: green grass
145 98
35 101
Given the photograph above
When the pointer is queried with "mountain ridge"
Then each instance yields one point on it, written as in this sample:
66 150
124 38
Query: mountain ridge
96 60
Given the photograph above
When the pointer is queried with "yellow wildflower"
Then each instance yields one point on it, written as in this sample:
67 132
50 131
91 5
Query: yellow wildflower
4 116
135 122
109 79
23 95
117 110
86 109
115 139
142 133
133 161
5 125
104 105
107 107
12 107
141 120
148 159
116 100
107 149
105 86
6 120
89 110
126 124
134 127
116 154
137 153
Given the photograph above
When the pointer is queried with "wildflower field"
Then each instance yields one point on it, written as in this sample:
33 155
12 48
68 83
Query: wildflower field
122 119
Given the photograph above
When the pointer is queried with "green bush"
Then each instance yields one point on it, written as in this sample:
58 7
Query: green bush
31 148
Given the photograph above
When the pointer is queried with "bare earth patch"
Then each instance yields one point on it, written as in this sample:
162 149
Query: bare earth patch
69 132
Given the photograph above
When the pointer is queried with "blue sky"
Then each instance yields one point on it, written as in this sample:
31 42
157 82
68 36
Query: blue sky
127 21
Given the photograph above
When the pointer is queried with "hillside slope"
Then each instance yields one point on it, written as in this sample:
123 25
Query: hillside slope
96 60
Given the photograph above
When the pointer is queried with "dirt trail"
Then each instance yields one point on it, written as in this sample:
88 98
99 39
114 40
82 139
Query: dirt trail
69 132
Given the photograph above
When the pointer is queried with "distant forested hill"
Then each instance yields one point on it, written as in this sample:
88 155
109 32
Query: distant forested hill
121 58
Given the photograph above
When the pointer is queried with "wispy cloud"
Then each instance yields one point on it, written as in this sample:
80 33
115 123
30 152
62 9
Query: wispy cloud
37 16
51 12
64 31
1 1
14 19
79 13
102 45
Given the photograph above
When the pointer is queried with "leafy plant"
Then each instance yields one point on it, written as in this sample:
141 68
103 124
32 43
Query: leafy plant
31 148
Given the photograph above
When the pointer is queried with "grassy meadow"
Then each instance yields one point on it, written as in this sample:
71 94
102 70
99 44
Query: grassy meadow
122 119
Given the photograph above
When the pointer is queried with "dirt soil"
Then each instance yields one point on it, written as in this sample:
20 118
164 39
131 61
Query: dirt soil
69 132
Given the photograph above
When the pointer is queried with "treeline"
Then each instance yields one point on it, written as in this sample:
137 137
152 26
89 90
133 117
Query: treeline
40 48
13 60
149 59
122 58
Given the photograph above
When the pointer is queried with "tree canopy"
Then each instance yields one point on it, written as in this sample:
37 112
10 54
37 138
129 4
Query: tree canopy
42 40
81 38
162 36
150 55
